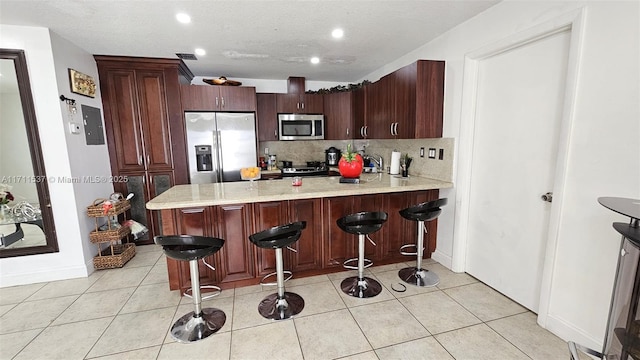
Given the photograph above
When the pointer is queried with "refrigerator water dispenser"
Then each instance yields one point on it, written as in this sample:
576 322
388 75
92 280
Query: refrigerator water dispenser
203 158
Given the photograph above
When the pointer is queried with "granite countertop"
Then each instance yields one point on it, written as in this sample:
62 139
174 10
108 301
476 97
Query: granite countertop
183 196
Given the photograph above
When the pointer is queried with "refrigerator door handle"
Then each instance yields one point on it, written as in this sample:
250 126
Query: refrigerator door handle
219 154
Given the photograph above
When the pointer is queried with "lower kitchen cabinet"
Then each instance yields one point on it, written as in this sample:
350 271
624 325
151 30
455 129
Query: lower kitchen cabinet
322 247
233 224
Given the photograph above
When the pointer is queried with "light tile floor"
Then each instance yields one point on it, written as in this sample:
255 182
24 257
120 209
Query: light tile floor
127 313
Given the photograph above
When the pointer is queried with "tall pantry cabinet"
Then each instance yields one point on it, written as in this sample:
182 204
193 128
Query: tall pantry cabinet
145 134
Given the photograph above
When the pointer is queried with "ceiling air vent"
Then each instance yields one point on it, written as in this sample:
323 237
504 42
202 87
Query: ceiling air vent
185 56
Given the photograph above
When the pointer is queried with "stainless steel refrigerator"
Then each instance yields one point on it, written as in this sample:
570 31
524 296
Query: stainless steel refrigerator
219 144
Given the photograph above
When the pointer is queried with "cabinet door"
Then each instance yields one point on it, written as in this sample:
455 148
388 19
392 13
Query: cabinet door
400 230
338 116
309 246
155 120
418 197
233 225
237 98
339 245
404 82
358 104
123 128
429 99
288 103
198 97
195 221
311 104
380 103
136 184
266 117
267 215
159 182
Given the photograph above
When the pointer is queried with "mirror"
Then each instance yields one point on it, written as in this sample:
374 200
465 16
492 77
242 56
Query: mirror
26 218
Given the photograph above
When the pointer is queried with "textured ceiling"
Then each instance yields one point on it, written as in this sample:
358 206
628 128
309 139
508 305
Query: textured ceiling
251 39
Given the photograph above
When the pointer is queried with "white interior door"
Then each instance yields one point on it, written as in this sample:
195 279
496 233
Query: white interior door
517 123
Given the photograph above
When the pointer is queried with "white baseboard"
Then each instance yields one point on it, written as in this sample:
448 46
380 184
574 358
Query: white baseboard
443 259
569 332
43 276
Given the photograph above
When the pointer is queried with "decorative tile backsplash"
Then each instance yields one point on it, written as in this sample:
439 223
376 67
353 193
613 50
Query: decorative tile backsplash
299 152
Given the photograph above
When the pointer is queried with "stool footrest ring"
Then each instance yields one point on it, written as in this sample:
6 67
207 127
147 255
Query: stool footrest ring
187 293
409 246
345 265
286 272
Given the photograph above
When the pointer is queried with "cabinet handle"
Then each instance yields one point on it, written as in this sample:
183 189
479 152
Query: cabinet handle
217 101
395 129
302 106
391 129
366 131
361 131
222 101
347 131
148 158
298 106
140 160
275 133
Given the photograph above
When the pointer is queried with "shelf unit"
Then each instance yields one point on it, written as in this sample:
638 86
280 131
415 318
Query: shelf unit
117 253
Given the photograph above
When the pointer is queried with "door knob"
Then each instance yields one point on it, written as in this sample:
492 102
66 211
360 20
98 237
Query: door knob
548 197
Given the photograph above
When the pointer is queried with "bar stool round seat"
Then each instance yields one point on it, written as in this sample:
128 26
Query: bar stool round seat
420 213
282 304
361 224
199 323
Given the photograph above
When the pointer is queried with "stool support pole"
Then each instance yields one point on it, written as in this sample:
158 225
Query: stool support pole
420 244
361 256
195 287
280 273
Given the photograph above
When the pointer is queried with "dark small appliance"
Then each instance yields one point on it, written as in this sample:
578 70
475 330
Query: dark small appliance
332 156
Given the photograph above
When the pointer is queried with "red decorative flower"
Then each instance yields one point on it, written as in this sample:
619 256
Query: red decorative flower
350 164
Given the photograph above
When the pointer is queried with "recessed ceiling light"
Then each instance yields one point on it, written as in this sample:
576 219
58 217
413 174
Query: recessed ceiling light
200 52
183 18
315 60
337 33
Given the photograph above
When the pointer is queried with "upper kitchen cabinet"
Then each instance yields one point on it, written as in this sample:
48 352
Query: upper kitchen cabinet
407 103
299 103
344 114
218 98
142 111
266 117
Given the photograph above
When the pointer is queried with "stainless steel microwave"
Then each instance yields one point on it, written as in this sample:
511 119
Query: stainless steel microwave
300 127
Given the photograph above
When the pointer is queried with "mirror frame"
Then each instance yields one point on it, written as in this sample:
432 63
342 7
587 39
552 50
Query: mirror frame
31 125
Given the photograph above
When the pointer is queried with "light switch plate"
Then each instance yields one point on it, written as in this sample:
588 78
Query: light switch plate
432 153
74 128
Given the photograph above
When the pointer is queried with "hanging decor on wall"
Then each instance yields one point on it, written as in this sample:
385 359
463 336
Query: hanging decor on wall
82 84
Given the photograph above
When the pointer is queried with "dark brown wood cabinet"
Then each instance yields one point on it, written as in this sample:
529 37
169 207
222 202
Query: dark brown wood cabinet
143 123
218 98
233 223
267 215
308 255
338 245
338 116
407 103
359 105
299 103
267 117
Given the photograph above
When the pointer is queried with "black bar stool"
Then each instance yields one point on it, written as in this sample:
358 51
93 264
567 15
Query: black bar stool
363 224
281 305
420 213
199 323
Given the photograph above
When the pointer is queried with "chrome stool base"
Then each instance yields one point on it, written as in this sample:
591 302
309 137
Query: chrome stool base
360 287
275 308
190 328
419 277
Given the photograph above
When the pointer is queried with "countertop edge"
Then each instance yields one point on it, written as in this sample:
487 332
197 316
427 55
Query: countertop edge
159 203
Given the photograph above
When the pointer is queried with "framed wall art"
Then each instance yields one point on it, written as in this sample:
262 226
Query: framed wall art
82 84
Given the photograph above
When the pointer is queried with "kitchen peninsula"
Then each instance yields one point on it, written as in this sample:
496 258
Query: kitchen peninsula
234 210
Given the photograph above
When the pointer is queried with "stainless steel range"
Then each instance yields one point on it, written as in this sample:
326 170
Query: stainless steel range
320 170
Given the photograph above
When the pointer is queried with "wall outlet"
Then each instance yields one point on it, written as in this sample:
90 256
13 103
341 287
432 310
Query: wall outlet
432 153
74 128
421 152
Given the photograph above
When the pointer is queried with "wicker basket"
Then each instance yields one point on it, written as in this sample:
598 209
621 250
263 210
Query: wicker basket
98 236
96 210
118 255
